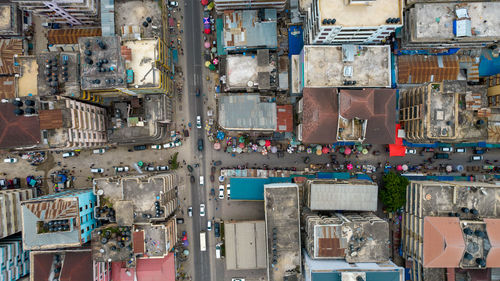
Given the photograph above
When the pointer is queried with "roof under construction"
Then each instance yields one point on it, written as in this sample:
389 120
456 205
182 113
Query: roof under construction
71 36
417 69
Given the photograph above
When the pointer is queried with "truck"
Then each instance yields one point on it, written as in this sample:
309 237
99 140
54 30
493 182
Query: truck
203 241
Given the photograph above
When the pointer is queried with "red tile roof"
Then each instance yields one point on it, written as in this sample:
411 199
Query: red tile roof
493 232
320 115
150 269
444 243
285 118
17 131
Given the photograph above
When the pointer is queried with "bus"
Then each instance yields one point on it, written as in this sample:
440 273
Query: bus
203 241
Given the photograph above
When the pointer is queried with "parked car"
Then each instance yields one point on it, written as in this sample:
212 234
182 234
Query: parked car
202 209
190 168
3 183
217 229
162 168
202 180
411 151
197 92
479 151
173 3
441 156
156 146
180 221
190 211
446 149
217 163
140 147
461 150
476 158
209 225
68 154
217 251
99 151
10 160
168 145
150 168
200 144
228 191
120 169
97 170
16 182
221 191
212 178
192 179
198 122
213 170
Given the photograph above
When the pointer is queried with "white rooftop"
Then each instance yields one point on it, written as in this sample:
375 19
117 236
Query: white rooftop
343 196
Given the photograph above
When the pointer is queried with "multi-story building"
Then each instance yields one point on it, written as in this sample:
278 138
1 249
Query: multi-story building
70 264
493 95
102 270
352 21
493 83
451 228
221 5
74 12
432 112
14 261
10 210
72 124
63 219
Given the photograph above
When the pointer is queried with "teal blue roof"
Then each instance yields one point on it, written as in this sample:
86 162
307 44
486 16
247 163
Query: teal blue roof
252 188
370 276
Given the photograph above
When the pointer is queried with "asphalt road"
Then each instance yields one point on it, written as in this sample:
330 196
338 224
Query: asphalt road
193 72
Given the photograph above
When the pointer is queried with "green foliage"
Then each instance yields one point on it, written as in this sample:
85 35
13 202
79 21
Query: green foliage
393 193
175 164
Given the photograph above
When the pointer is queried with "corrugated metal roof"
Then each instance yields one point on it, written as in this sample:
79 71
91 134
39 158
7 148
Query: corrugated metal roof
417 69
9 48
70 36
50 119
7 87
244 30
108 17
340 196
17 131
246 112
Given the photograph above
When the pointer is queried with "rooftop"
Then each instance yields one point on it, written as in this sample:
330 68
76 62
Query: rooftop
155 269
246 112
144 54
320 115
284 118
70 35
245 245
443 198
283 230
7 87
128 24
102 66
367 115
74 265
28 81
18 131
355 195
451 243
8 15
58 73
113 243
416 69
435 22
8 49
360 13
250 29
154 240
243 70
330 66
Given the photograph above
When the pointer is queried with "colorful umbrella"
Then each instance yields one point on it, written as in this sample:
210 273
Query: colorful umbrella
359 147
342 149
216 61
204 2
347 151
318 152
268 143
239 150
216 146
325 150
214 50
220 135
207 31
262 142
309 150
399 167
460 168
349 166
405 167
242 145
449 168
364 151
274 149
207 63
211 67
207 44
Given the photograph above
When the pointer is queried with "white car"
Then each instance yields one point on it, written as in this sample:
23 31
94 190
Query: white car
461 150
121 169
202 180
156 146
221 191
447 149
10 160
178 143
209 225
162 168
190 211
202 210
168 145
68 154
173 3
198 122
150 168
228 192
97 170
411 151
99 151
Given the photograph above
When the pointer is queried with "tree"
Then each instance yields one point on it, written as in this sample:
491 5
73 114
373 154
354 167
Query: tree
393 193
174 164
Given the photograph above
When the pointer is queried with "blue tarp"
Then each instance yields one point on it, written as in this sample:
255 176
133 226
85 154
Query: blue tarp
488 65
450 51
175 56
328 175
295 40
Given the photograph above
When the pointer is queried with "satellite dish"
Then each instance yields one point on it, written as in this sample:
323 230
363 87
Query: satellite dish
100 192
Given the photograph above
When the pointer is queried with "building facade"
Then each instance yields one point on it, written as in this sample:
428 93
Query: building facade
493 83
10 210
222 5
63 219
14 261
74 12
352 22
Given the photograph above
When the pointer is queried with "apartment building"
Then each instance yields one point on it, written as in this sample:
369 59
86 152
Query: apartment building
14 261
222 5
73 12
352 21
10 210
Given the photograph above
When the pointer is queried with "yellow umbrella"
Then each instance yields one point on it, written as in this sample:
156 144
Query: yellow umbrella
207 63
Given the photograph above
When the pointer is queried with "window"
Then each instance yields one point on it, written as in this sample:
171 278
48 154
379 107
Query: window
93 226
91 205
81 209
81 219
86 207
327 29
88 228
83 230
322 37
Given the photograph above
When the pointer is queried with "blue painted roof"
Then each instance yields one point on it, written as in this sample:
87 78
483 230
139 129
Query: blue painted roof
252 188
295 40
370 276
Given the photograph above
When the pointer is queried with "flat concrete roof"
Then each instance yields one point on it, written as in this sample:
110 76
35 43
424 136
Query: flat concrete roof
27 83
144 55
324 66
247 113
349 13
245 244
283 229
433 22
346 196
5 17
242 71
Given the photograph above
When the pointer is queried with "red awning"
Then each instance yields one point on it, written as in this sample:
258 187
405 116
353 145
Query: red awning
397 149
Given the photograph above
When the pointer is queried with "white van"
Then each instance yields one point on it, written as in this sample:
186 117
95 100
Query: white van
217 251
202 182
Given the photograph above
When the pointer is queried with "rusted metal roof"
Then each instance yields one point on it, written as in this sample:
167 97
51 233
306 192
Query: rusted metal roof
284 118
70 36
55 209
493 231
138 239
320 115
444 243
77 266
41 267
50 119
17 131
416 69
7 87
9 48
